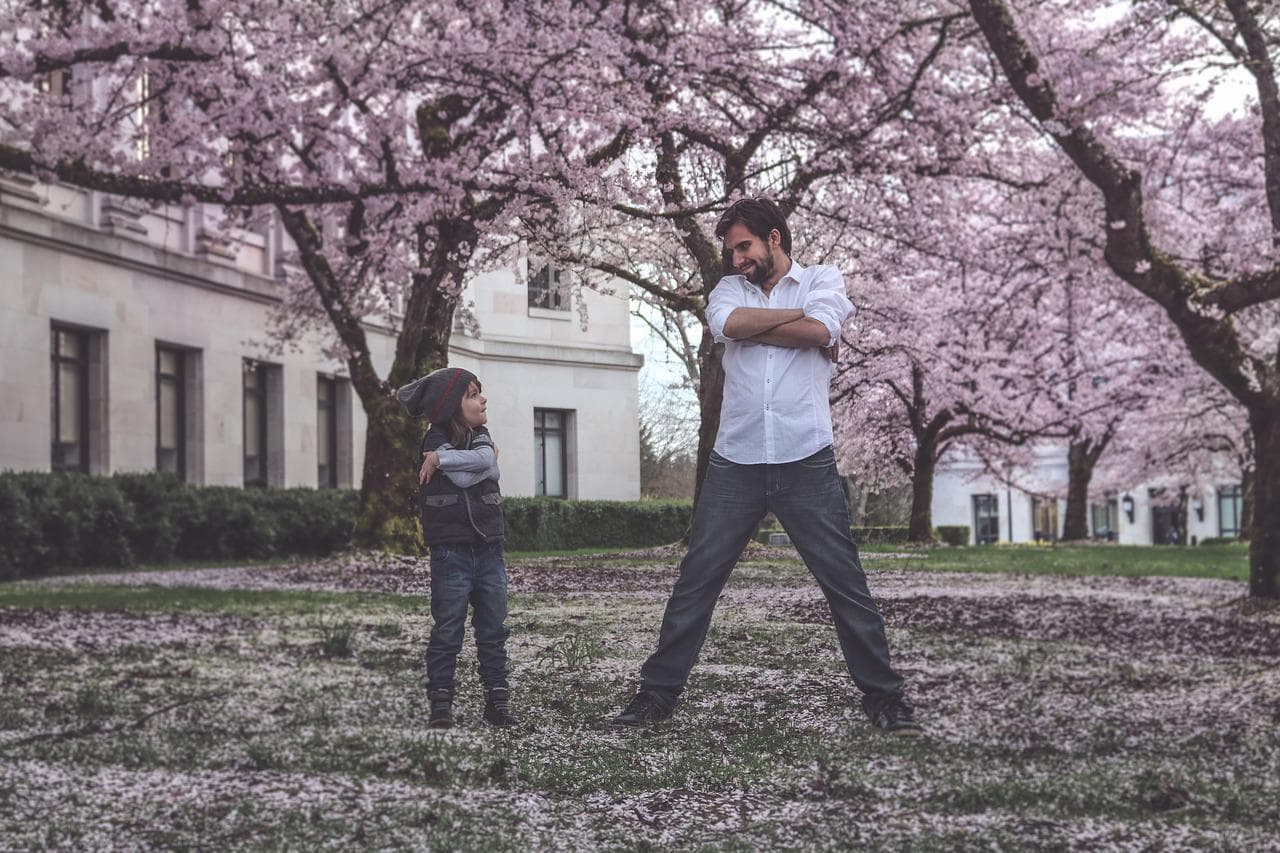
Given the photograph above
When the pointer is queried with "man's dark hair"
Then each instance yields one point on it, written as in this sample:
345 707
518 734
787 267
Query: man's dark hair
760 216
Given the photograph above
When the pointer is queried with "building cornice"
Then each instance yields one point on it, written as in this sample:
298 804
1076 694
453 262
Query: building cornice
87 242
90 243
498 349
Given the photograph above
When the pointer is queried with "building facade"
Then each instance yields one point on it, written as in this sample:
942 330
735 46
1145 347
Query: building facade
995 511
134 339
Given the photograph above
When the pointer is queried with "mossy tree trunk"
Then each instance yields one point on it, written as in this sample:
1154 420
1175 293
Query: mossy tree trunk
389 483
1082 459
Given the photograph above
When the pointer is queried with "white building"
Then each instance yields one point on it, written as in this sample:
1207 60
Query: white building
997 512
133 339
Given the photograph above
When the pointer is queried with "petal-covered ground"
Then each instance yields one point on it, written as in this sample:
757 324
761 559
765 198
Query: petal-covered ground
282 706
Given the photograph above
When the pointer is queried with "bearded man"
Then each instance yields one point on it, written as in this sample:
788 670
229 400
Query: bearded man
780 324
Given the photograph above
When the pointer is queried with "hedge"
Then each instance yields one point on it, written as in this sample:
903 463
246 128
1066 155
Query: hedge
953 534
66 520
874 535
70 520
545 524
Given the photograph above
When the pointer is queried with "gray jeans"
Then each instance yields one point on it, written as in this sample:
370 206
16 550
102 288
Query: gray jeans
807 498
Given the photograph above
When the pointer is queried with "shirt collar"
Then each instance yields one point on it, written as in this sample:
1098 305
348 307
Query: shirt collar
794 273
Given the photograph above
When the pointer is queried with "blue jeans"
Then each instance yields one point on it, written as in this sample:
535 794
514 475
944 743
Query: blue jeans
465 575
808 500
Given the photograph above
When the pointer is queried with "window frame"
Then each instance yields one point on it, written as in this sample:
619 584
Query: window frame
540 430
1050 508
1235 494
179 380
1111 510
545 290
977 503
57 359
330 415
258 371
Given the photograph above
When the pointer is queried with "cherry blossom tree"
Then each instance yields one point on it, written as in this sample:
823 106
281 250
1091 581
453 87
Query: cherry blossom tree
958 344
397 145
806 103
1193 225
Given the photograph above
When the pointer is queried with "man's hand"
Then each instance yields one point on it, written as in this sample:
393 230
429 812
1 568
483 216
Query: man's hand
430 462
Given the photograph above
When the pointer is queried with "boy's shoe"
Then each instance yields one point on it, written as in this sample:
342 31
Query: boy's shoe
645 708
441 708
497 712
893 716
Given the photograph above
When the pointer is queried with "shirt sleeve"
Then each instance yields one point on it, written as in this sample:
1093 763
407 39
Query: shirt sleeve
726 296
827 302
467 467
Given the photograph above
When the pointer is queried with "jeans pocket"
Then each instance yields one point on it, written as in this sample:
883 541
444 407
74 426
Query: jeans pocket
824 458
718 461
439 554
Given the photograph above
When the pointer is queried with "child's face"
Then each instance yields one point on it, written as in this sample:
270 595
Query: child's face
473 407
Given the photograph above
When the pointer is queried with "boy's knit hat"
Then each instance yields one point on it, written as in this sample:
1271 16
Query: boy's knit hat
437 395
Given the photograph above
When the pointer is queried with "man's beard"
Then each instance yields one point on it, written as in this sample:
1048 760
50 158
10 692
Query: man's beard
759 272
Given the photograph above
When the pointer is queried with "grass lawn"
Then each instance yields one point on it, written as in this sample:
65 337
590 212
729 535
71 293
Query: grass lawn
1229 562
282 706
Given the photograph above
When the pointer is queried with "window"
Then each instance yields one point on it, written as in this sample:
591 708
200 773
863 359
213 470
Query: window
986 519
1105 519
69 418
171 411
550 452
546 290
1044 520
141 117
326 432
255 423
1230 506
55 83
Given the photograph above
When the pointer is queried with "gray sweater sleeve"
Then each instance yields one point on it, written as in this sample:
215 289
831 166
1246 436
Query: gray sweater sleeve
468 467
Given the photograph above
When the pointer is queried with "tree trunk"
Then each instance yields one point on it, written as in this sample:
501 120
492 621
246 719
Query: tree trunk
1264 537
389 482
920 526
1247 481
1082 459
388 508
388 517
710 396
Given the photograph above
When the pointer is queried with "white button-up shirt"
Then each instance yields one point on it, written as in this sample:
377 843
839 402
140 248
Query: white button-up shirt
776 407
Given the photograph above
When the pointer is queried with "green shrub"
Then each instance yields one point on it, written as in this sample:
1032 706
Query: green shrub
69 519
157 499
309 521
1220 540
953 534
880 535
550 524
19 539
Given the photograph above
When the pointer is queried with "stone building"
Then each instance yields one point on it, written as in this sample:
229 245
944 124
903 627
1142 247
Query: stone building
995 511
133 339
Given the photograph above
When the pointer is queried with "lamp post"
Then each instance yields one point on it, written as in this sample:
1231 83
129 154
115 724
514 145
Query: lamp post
1126 503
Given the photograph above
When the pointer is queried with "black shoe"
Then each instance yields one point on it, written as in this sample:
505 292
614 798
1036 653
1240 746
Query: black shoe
894 716
646 708
496 710
441 708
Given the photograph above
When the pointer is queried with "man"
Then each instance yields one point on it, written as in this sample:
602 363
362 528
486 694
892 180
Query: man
780 324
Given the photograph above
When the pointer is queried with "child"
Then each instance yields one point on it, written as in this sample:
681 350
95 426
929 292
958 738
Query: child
462 522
